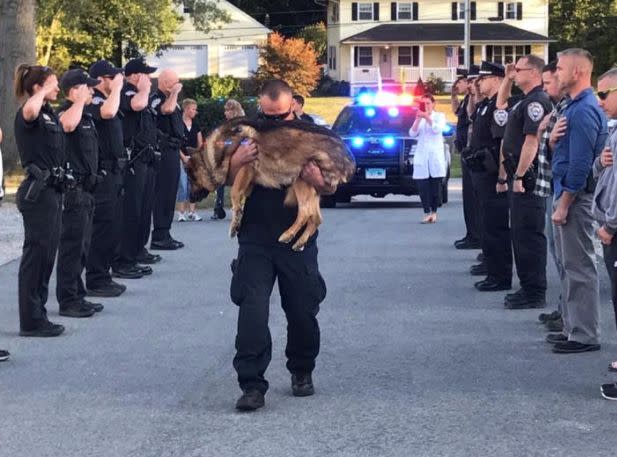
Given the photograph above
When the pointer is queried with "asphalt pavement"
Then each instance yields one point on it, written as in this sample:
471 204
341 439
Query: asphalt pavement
414 362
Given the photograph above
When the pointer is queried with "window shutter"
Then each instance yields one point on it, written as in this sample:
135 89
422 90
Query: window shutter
415 11
415 59
500 10
527 50
376 11
355 56
454 11
472 54
394 10
489 53
354 11
473 11
519 11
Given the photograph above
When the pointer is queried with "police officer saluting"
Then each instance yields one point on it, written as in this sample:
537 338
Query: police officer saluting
171 129
519 151
140 139
112 159
40 142
484 164
83 156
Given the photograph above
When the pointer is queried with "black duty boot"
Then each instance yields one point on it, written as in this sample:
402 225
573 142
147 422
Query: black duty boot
302 385
250 400
42 328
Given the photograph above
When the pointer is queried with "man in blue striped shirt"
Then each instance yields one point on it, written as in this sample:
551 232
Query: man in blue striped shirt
584 132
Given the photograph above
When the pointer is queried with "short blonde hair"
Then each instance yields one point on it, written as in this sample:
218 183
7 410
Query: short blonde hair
234 107
188 102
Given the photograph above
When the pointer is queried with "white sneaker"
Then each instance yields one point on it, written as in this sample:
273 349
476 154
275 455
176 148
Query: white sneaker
182 217
194 217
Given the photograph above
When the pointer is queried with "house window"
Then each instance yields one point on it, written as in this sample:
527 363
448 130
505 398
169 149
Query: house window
461 55
363 56
365 11
506 54
186 8
405 11
332 58
409 56
511 10
458 11
461 10
335 17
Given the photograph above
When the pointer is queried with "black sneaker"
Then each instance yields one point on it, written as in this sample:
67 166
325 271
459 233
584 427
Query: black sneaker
467 244
144 269
250 401
43 329
4 355
78 310
107 290
479 270
554 338
514 295
574 347
97 307
526 304
126 273
148 259
118 285
544 317
609 391
302 385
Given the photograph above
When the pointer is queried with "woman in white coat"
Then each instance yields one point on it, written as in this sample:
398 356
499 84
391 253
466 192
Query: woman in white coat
429 162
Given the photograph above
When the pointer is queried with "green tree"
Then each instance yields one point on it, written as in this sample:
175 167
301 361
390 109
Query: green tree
587 24
291 59
317 35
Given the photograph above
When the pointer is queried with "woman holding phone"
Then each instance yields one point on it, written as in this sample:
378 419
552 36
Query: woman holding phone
429 162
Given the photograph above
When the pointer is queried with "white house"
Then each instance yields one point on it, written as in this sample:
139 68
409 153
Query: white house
399 42
232 49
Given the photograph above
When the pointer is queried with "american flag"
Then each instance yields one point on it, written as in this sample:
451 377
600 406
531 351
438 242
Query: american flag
452 56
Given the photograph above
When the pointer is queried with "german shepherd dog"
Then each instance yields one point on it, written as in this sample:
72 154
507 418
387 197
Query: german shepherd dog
283 149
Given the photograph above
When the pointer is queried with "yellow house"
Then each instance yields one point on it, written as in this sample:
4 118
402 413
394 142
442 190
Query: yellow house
394 43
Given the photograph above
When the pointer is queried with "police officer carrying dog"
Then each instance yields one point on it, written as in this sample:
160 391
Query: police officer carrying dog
484 164
140 139
83 156
171 131
519 151
40 142
262 260
112 160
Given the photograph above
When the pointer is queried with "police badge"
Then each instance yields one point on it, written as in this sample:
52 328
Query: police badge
500 116
535 111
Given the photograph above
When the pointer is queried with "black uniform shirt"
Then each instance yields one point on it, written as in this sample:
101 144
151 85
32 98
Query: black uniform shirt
139 126
40 142
191 135
111 138
307 118
524 118
266 218
484 133
82 144
462 124
170 124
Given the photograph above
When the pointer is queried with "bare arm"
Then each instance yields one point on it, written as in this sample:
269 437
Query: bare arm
172 101
71 117
505 90
528 153
110 107
33 106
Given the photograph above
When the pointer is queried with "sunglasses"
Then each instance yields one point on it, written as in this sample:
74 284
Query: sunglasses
276 117
603 95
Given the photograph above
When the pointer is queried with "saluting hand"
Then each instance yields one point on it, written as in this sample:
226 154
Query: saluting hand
50 86
117 82
510 71
176 88
144 83
83 94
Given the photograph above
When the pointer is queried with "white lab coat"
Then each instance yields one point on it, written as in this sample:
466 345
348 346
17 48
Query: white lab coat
429 160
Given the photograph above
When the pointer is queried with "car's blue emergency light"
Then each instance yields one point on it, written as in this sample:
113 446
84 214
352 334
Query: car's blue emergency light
370 112
388 142
357 142
393 112
383 99
448 130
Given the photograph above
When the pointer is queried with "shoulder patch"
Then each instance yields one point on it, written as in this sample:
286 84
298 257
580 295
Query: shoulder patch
130 93
97 100
500 116
535 111
47 117
155 102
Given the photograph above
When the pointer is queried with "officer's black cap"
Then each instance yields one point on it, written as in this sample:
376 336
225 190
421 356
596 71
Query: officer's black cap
474 72
103 68
138 65
461 73
76 77
492 69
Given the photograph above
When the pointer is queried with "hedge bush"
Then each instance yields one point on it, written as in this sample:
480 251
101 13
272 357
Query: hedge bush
211 86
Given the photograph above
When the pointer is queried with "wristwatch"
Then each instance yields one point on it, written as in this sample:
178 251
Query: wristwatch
517 177
502 181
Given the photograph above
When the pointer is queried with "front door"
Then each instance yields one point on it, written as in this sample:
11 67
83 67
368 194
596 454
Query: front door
385 63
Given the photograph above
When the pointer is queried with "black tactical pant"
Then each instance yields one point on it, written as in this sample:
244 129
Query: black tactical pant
610 260
106 229
470 206
145 223
302 289
77 218
42 221
165 193
528 215
494 211
135 181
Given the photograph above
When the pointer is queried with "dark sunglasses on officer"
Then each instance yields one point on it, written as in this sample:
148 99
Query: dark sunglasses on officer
603 95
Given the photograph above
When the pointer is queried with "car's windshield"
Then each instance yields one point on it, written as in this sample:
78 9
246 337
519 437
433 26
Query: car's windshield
378 119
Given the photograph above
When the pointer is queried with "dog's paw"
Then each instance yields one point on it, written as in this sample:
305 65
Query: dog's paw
298 247
286 238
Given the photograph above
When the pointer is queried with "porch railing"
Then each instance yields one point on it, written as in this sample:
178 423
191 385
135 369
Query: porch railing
369 75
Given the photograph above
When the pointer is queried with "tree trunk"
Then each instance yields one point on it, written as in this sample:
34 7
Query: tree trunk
18 36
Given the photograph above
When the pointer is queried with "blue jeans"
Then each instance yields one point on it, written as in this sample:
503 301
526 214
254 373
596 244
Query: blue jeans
184 187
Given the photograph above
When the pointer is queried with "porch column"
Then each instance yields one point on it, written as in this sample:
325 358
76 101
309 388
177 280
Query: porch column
546 53
352 50
421 61
483 52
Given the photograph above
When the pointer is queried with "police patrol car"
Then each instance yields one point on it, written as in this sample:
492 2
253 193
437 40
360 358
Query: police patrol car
376 130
